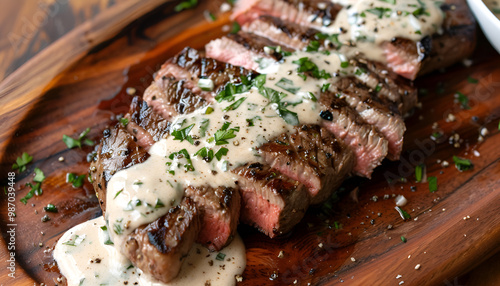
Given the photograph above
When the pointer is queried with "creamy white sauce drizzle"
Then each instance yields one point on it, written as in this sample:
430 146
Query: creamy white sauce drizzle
494 6
84 259
368 24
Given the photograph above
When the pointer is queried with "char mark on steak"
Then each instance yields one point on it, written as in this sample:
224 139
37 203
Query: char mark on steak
118 150
312 12
368 145
191 65
312 156
271 202
160 247
373 111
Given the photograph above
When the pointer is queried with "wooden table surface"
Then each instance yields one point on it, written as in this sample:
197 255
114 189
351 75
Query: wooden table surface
27 27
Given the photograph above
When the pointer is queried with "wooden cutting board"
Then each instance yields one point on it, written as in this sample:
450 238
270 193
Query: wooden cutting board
355 238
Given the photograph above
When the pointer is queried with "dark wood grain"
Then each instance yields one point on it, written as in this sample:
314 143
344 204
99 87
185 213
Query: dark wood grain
346 240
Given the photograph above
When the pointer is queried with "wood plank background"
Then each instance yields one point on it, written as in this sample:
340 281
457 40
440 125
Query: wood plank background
29 27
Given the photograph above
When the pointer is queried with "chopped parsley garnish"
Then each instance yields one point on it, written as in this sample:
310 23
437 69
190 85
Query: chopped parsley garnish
463 99
75 180
432 184
72 143
307 66
462 164
224 134
235 104
159 204
312 97
225 166
421 10
21 162
222 152
182 154
325 87
251 120
230 89
403 239
137 183
208 154
287 85
313 46
380 12
472 80
279 51
404 215
419 172
333 38
204 126
50 208
124 121
189 4
359 71
118 193
276 97
183 134
35 190
108 239
235 28
393 2
39 176
378 87
220 256
117 227
75 242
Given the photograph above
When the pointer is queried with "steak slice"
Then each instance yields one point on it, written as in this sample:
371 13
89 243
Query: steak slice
311 156
118 150
303 12
191 65
270 201
220 208
160 247
390 124
410 59
388 86
286 34
368 145
172 98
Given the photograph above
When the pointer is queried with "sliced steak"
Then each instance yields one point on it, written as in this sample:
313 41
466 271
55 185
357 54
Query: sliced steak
303 12
220 208
410 59
173 98
284 33
191 65
160 247
368 145
270 201
311 156
389 123
118 150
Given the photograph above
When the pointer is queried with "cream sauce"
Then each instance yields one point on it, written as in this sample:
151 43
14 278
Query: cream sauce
494 6
84 258
366 25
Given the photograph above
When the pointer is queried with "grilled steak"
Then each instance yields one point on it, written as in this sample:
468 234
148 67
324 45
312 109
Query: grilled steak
160 247
361 124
